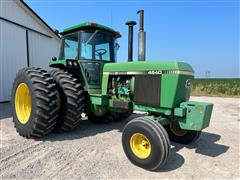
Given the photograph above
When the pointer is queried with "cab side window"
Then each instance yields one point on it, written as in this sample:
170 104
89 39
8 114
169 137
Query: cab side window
86 51
70 46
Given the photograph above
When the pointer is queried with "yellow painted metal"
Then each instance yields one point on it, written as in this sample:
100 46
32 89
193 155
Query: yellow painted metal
140 145
23 103
174 127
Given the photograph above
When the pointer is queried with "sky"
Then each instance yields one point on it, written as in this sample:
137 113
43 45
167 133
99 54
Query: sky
203 33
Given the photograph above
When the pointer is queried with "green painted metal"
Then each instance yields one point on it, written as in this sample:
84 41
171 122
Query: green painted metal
92 89
197 117
99 99
174 93
92 25
132 85
162 120
165 111
174 90
105 83
180 112
175 81
146 66
58 62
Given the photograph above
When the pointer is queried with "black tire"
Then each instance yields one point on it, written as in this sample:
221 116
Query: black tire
43 113
108 117
182 136
72 100
158 140
125 115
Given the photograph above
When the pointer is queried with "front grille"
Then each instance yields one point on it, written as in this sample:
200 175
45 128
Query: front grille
147 90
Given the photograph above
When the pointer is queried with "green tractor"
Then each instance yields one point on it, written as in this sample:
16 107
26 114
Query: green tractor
87 79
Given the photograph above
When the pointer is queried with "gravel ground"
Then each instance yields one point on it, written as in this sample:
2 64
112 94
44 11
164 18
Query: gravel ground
95 151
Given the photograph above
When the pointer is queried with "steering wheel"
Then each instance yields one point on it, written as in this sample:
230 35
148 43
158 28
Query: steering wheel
100 53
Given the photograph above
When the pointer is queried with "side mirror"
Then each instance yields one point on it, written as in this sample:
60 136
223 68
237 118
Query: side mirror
54 58
56 31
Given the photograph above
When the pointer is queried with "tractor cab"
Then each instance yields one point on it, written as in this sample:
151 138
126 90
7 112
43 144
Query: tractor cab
88 46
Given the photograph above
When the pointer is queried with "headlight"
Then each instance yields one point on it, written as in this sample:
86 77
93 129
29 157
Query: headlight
75 64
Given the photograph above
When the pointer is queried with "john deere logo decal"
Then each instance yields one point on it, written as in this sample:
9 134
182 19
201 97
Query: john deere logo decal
188 83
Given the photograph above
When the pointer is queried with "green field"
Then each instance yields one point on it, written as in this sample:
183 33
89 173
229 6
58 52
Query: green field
216 87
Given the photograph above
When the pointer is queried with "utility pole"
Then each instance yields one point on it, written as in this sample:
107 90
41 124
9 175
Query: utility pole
208 74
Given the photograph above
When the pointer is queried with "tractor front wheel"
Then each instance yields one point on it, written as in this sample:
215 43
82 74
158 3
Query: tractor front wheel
34 102
178 135
145 143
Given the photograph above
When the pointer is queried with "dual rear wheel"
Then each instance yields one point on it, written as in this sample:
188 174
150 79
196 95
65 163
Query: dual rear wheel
45 101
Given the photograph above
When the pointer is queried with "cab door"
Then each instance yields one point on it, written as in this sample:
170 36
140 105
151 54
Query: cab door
95 49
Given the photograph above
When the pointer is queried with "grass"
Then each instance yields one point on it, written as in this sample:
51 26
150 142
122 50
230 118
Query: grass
216 87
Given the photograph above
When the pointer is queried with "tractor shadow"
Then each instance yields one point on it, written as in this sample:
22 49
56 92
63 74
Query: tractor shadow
206 145
87 128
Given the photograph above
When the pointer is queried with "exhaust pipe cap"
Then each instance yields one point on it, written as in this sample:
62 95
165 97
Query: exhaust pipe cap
131 23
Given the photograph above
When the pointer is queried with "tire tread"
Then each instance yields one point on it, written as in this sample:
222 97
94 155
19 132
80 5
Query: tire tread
72 95
44 91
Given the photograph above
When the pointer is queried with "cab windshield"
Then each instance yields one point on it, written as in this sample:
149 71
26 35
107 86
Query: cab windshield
89 45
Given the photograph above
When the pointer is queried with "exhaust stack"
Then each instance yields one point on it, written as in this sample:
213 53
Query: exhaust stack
141 38
130 39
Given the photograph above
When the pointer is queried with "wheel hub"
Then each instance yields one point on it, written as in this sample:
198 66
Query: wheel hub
23 104
140 145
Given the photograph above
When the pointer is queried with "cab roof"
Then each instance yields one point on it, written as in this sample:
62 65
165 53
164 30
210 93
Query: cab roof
91 25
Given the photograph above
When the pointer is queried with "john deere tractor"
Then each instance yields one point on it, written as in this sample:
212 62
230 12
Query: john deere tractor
87 79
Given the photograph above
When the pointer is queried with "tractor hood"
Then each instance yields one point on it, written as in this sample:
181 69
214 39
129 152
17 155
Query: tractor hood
164 84
148 68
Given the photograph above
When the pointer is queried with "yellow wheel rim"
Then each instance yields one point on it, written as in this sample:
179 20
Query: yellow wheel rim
140 145
23 104
174 127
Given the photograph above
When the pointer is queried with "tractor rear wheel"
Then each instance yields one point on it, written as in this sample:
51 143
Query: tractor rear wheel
146 143
34 102
70 100
178 135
